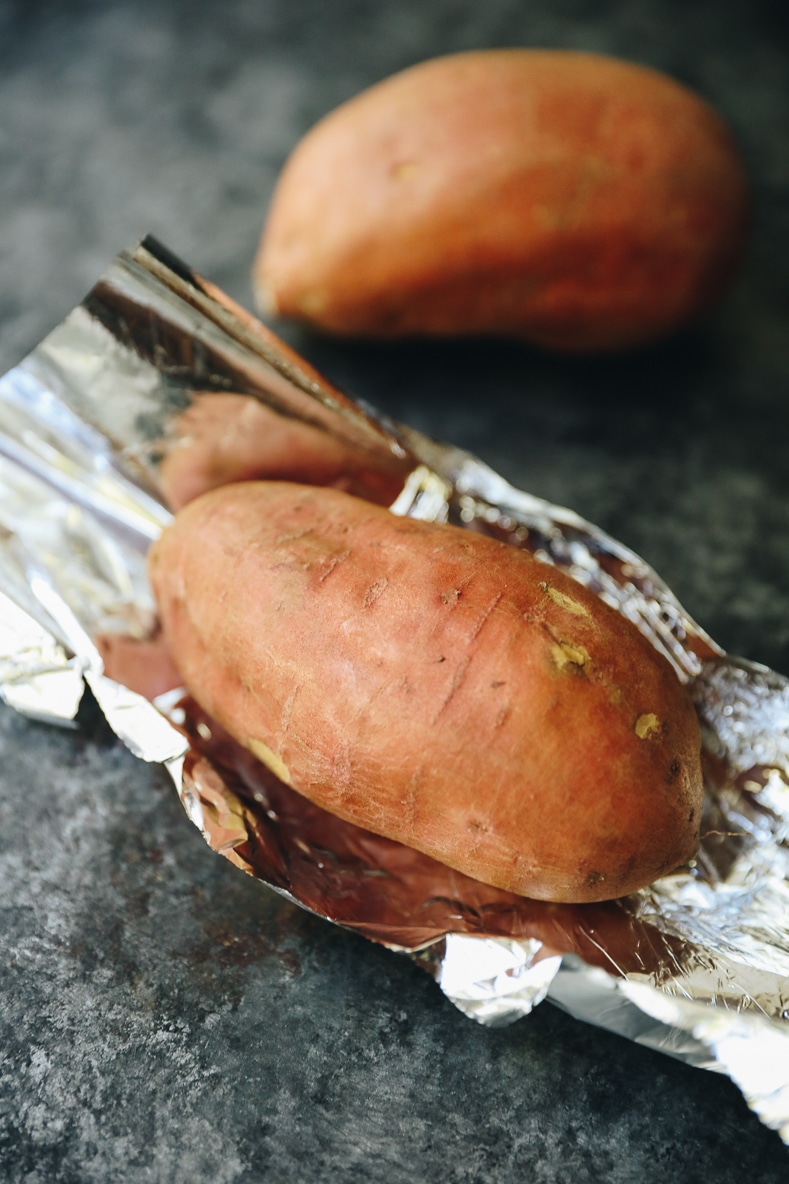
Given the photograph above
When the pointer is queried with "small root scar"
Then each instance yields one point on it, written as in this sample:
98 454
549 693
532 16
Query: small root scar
452 596
570 657
647 725
563 600
374 590
477 830
332 564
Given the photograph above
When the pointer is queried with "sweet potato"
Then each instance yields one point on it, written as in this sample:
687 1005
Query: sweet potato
570 199
434 686
228 437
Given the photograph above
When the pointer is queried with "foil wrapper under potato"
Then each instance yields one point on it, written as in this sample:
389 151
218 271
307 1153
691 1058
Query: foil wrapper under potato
696 966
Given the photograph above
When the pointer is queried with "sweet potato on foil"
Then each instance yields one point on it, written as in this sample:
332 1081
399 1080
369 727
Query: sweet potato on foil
434 686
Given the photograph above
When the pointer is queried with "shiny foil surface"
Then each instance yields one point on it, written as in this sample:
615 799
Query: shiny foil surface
91 424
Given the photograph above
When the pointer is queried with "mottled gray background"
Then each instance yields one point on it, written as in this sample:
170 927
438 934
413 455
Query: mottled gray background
162 1018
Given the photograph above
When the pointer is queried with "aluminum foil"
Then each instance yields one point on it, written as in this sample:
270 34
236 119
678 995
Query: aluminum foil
101 425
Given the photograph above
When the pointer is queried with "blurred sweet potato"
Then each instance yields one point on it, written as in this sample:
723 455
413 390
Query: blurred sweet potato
222 438
573 200
434 686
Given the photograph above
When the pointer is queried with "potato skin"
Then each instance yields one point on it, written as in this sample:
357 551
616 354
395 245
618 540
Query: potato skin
570 199
434 686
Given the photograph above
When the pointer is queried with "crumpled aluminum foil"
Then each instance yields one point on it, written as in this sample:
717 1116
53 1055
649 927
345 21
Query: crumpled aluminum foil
696 966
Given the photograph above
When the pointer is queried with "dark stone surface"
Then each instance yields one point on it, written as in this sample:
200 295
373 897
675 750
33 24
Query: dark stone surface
164 1018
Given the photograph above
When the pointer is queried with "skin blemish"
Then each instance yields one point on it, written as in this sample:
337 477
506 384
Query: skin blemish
485 616
405 170
495 685
272 760
569 657
410 803
451 597
595 878
332 564
374 591
292 536
647 725
502 717
287 710
458 678
563 600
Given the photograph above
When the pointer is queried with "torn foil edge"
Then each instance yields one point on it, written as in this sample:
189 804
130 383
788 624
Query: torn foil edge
46 652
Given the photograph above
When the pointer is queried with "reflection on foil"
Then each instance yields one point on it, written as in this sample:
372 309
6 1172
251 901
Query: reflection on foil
158 380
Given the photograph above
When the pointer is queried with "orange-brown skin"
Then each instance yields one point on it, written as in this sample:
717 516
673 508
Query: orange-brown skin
227 437
144 665
574 200
434 686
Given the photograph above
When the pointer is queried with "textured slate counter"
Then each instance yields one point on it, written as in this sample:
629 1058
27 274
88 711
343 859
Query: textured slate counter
163 1018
